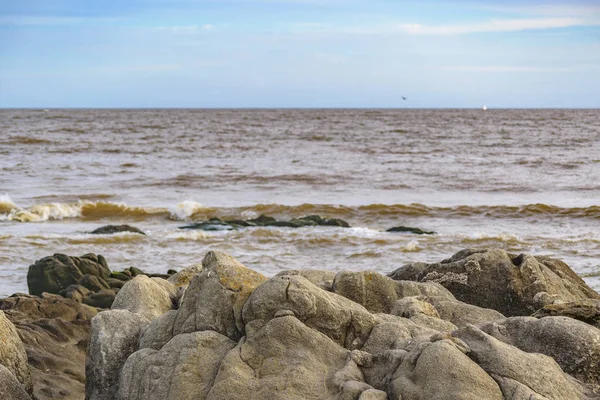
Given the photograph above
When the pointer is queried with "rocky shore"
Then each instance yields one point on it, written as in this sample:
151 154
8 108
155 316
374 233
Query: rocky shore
483 324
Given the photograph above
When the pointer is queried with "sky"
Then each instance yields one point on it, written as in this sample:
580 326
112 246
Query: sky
300 53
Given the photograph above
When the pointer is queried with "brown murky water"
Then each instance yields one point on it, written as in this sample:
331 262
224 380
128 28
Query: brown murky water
522 180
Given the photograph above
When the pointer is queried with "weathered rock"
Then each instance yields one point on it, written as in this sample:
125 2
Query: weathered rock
102 299
150 297
55 332
114 337
183 278
213 224
217 224
517 371
586 310
185 368
378 293
492 278
283 360
461 314
55 273
111 229
320 278
159 332
408 229
215 297
115 283
574 345
441 370
12 354
10 387
344 321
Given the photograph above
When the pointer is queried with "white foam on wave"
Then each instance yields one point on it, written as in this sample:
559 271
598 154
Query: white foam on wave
411 246
185 209
6 204
192 235
38 212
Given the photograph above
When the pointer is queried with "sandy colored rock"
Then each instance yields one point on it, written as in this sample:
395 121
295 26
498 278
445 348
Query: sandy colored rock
150 297
184 369
215 297
573 344
12 354
284 360
10 387
344 321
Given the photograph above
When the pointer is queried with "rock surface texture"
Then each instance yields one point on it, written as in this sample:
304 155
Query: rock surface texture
222 331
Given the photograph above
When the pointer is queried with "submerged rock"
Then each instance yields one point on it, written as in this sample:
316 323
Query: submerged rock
408 229
111 229
217 224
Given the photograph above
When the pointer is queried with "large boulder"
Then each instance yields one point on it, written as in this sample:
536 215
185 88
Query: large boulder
114 337
12 354
286 360
344 321
529 374
55 273
215 297
185 368
378 293
493 278
55 332
150 297
440 370
574 345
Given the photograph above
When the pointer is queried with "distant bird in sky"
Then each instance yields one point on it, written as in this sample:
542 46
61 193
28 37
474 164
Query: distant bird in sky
403 98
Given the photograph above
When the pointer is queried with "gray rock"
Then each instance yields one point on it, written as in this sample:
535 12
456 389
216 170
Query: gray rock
159 332
185 368
93 283
438 371
75 292
215 297
574 345
10 387
12 354
508 283
461 314
378 293
182 279
508 366
344 321
114 337
586 310
320 278
150 297
283 360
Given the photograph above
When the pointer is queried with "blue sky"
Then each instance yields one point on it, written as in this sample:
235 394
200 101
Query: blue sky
299 53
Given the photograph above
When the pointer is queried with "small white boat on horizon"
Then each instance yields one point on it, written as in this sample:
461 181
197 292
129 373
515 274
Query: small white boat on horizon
484 108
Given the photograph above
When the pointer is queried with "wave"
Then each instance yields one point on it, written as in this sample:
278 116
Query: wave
190 210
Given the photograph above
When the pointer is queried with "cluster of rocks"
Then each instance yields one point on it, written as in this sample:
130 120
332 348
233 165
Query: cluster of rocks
218 224
459 329
86 279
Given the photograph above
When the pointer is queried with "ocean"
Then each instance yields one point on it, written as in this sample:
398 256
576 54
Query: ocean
519 180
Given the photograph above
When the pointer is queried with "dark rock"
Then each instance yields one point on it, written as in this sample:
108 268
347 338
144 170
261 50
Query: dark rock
55 273
102 299
115 283
492 278
93 283
110 229
135 271
122 276
55 332
213 224
320 221
408 229
217 224
75 292
262 220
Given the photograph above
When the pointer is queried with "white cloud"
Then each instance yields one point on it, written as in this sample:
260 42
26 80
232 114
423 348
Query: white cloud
506 25
185 30
513 68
